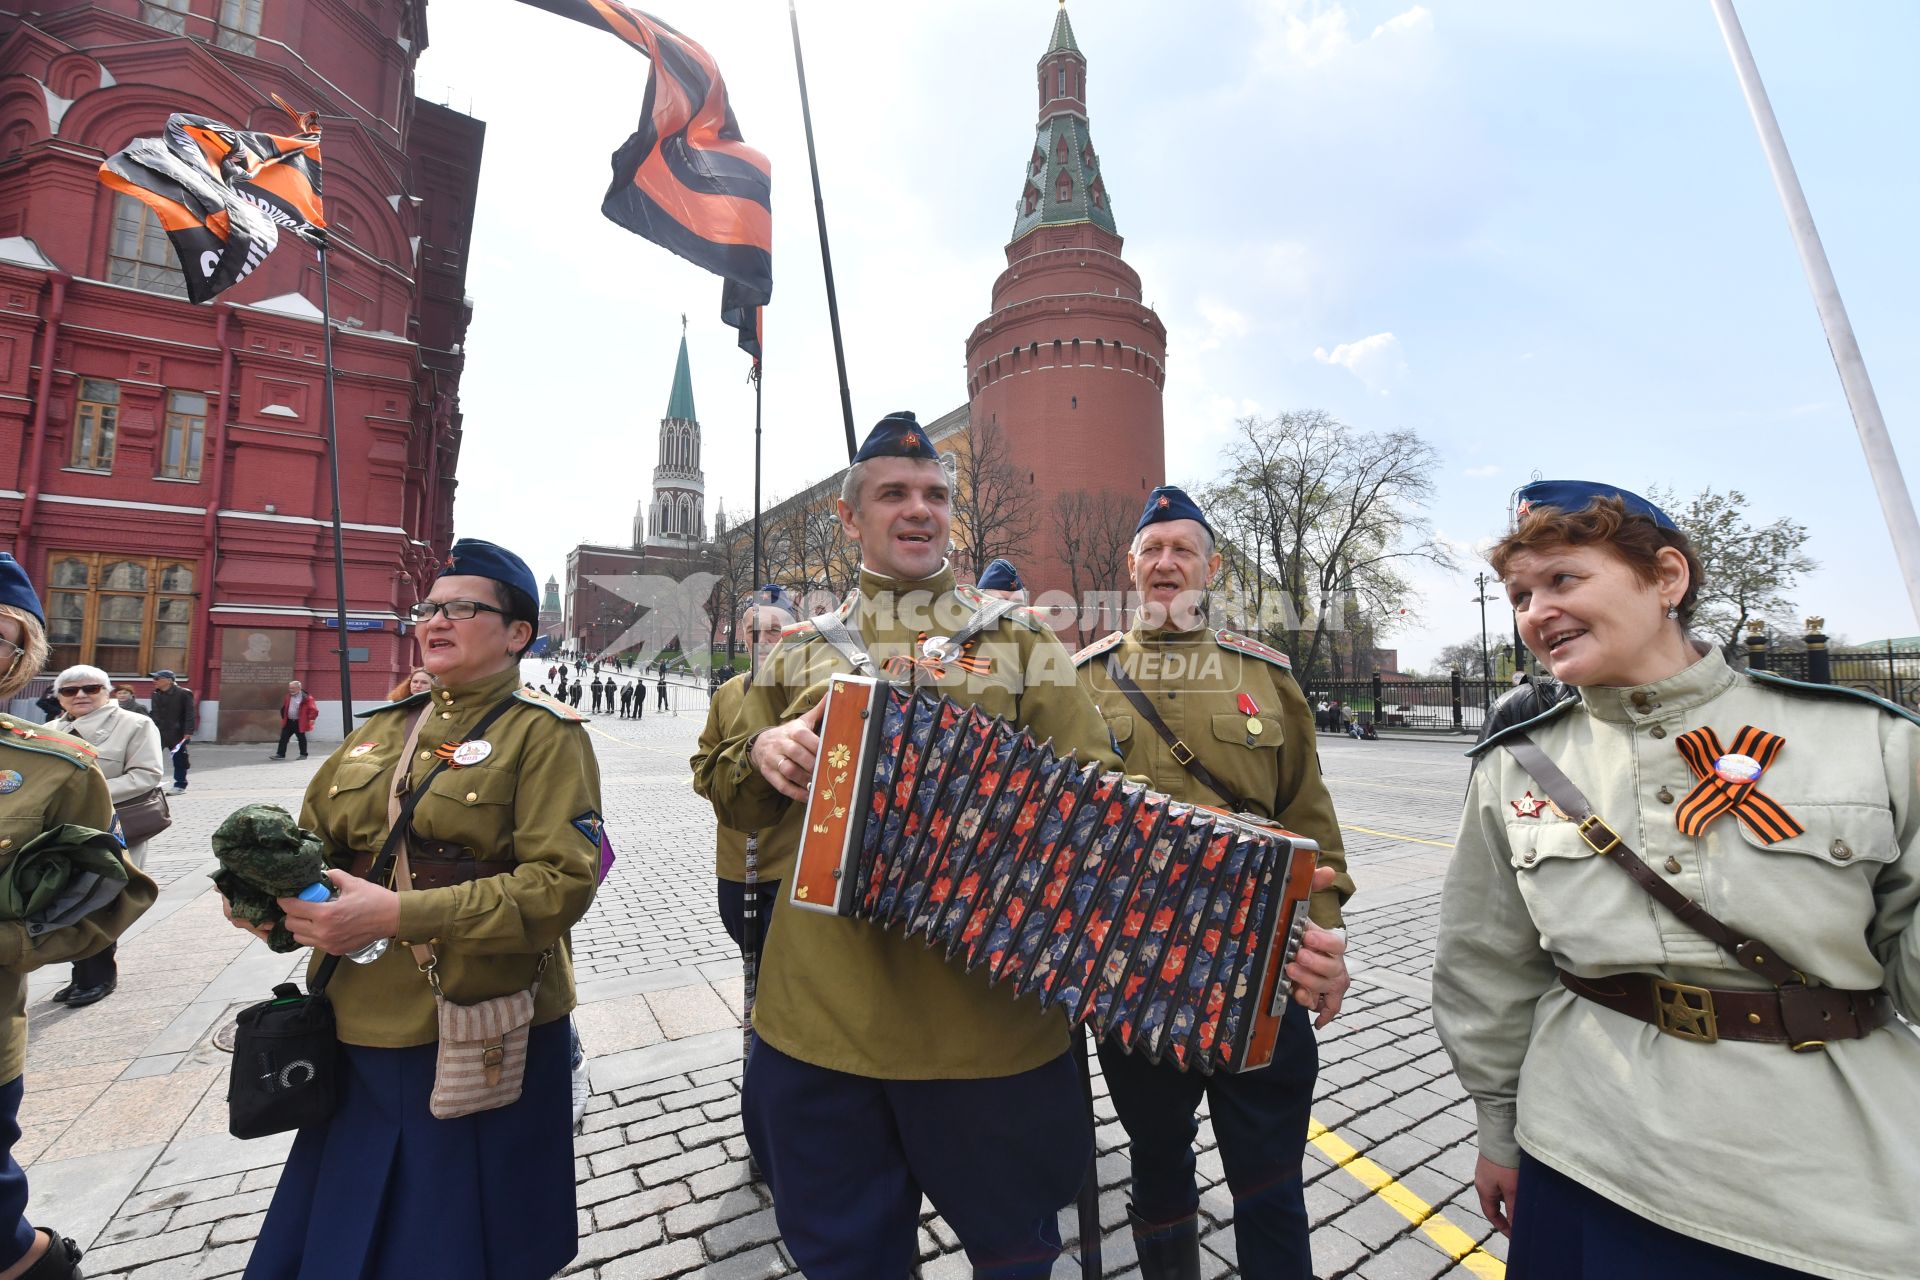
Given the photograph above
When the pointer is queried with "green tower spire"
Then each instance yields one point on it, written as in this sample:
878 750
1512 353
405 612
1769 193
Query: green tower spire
680 403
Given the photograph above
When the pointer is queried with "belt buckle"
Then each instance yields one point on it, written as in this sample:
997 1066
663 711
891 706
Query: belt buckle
1182 752
1587 825
1685 1012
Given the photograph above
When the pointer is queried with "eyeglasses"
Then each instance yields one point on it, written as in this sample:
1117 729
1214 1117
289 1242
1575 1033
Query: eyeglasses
88 689
456 610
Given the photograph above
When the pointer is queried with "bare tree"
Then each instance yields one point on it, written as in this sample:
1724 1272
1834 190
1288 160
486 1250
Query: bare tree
995 513
1339 512
1091 533
1746 572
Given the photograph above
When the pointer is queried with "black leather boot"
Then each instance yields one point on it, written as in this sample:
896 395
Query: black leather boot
1169 1252
61 1261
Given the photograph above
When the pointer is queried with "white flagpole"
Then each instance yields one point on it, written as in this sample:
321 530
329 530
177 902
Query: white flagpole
1896 503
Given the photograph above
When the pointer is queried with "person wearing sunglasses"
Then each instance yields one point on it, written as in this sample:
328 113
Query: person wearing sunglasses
47 780
502 850
128 753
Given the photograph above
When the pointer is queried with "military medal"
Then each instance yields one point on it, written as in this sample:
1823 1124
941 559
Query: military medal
471 752
10 781
934 648
1251 710
1527 806
360 749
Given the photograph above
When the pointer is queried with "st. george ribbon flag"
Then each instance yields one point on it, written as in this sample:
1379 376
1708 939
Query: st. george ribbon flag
685 180
223 194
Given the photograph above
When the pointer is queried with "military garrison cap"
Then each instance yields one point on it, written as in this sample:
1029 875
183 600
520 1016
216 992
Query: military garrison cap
17 590
1000 575
897 435
1577 495
472 557
1170 502
776 595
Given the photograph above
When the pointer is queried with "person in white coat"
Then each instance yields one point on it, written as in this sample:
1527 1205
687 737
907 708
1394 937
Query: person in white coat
129 754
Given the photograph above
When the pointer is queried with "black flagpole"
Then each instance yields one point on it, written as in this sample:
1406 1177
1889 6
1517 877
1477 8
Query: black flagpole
826 254
750 895
1090 1260
333 474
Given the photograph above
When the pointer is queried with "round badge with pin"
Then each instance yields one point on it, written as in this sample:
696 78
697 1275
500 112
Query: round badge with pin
1737 769
470 753
10 781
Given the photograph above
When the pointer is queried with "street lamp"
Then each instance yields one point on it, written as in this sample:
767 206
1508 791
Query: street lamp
1480 580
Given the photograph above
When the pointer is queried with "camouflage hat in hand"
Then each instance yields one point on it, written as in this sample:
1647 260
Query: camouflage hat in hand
264 854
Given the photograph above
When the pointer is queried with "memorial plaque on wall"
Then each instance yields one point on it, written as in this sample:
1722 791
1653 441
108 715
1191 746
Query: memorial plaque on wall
255 665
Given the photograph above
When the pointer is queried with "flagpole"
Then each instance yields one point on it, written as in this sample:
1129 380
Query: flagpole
826 254
750 895
333 475
1896 503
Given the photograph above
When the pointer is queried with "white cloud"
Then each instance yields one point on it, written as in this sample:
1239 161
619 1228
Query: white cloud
1325 32
1223 324
1418 18
1481 473
1375 360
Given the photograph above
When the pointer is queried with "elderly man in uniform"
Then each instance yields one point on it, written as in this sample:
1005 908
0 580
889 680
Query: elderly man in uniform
1214 718
882 1072
763 621
1002 581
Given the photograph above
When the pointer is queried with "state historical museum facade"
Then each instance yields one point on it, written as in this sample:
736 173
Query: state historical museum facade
163 468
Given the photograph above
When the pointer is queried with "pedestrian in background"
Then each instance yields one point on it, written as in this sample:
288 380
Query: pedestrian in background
574 697
298 714
663 689
595 687
123 694
127 752
175 711
418 681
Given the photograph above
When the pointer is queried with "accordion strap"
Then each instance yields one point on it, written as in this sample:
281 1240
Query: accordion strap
834 630
1181 751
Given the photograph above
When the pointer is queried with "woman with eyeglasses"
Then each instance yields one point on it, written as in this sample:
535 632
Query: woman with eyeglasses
502 853
47 780
128 753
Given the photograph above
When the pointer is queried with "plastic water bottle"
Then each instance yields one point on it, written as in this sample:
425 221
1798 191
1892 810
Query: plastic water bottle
321 891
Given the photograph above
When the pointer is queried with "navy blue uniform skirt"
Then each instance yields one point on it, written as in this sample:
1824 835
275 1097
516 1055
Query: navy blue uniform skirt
16 1233
1563 1230
383 1191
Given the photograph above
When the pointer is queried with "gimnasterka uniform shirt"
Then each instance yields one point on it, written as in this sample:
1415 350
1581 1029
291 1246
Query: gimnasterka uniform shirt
533 801
48 780
774 858
1196 681
1658 1124
845 994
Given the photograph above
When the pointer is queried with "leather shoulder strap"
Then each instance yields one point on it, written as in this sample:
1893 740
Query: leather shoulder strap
1181 751
986 613
834 630
1604 840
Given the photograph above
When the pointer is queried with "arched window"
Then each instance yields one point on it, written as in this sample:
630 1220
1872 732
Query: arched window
139 254
1063 189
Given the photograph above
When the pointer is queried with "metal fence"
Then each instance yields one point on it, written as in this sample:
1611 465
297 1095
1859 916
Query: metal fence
1442 706
1889 672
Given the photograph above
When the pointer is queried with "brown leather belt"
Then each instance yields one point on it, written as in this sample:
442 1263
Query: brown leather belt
437 864
1804 1018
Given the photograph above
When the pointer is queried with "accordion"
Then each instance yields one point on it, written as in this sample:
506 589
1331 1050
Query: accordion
1166 927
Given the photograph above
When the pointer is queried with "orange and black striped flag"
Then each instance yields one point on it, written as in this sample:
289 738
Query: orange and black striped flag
222 194
685 180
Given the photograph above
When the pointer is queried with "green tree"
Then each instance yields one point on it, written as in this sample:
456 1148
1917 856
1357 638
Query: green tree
1747 571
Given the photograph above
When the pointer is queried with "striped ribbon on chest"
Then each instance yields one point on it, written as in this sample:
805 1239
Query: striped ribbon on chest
1714 796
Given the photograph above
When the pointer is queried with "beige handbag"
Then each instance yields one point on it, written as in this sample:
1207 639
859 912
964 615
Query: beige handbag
483 1047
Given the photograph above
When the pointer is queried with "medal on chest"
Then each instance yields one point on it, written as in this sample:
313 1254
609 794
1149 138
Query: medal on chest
359 749
10 781
1251 710
1727 781
462 754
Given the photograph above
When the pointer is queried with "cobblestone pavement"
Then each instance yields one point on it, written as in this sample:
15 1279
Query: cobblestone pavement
123 1127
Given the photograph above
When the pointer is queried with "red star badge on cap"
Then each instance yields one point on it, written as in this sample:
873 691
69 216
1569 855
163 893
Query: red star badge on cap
1527 807
1526 505
912 441
1166 502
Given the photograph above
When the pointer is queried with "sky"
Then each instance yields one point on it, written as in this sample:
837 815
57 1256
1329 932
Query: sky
1542 236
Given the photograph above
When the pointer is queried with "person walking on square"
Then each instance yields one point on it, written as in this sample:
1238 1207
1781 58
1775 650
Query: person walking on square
1677 927
595 688
175 712
640 698
1233 730
47 781
626 700
881 1072
573 698
662 704
298 714
127 752
502 850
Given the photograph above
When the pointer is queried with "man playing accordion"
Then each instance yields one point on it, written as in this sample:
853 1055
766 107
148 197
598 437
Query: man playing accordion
882 1072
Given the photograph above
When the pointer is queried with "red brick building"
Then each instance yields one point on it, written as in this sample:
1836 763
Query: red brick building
1070 362
163 468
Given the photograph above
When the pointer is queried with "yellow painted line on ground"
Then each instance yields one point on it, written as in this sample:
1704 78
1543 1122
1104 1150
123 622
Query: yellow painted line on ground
1453 1242
1395 835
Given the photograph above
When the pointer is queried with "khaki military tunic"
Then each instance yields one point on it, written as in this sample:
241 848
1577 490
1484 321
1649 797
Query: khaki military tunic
774 858
1195 680
842 993
49 780
532 803
1808 1160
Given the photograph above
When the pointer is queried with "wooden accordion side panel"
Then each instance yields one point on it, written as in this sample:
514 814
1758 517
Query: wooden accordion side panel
1164 926
838 799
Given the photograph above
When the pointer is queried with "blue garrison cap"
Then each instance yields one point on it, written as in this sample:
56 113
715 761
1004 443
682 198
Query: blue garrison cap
1170 502
776 595
1000 575
17 590
473 558
1577 495
897 436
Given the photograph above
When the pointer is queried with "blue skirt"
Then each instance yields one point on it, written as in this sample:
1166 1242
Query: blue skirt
383 1191
1563 1230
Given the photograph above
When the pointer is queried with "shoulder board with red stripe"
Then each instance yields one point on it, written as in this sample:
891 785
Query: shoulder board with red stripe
550 704
1252 648
1098 647
33 737
800 629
